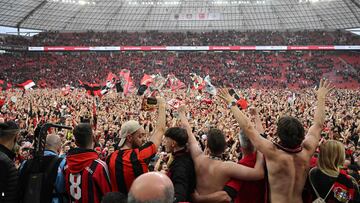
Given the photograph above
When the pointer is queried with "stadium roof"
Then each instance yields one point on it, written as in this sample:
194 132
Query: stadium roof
197 15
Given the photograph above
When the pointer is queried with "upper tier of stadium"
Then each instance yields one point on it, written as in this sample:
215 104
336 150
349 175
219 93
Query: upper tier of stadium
175 15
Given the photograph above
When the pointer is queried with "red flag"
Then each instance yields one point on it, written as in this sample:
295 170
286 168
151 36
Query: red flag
198 81
111 77
27 84
174 103
92 89
146 80
175 83
180 85
127 81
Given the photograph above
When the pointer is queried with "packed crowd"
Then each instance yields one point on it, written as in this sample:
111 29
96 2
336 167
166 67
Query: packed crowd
240 70
154 38
207 125
287 143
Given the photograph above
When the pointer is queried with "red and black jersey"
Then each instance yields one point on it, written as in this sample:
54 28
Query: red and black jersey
343 188
126 165
86 176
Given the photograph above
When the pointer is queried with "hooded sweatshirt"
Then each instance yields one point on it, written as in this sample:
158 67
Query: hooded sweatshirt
86 176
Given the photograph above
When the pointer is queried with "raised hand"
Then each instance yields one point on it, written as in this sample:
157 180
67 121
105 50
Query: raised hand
225 95
161 101
324 88
182 109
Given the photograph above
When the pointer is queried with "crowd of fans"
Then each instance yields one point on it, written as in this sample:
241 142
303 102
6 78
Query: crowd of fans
342 122
256 69
154 38
286 142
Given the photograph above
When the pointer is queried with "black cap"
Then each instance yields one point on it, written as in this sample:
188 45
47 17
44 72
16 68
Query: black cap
8 127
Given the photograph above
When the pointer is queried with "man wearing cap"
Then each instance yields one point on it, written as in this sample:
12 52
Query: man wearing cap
181 170
9 132
134 155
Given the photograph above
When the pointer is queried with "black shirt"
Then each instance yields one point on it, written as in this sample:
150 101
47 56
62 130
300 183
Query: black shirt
182 174
8 176
7 152
343 185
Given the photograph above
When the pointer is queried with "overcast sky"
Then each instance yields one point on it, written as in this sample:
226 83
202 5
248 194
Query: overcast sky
10 30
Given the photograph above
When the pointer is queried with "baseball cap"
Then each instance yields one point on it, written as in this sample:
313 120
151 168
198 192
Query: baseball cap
127 128
8 127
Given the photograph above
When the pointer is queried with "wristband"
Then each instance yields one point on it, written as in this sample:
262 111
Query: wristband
231 104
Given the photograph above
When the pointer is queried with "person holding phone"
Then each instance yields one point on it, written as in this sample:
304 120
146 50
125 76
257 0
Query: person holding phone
134 155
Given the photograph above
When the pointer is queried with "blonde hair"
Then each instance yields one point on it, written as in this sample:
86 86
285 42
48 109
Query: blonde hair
331 157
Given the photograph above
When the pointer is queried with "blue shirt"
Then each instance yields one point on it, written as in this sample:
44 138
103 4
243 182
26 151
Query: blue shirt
60 179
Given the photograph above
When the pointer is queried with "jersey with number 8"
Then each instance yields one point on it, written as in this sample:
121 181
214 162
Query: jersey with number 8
75 190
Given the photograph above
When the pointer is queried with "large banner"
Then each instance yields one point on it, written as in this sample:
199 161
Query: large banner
199 48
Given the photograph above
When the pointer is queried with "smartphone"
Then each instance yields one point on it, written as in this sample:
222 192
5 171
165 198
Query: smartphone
233 93
151 101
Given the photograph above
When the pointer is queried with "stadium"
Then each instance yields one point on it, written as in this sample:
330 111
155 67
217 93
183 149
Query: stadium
180 101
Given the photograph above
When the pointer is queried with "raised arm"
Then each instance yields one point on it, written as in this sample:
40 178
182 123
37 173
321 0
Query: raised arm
160 123
313 136
194 147
258 125
260 143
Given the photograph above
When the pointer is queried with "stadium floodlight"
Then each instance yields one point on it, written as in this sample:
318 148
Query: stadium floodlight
220 2
81 2
312 1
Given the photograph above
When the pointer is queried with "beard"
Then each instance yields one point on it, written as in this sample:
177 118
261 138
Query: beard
134 145
15 146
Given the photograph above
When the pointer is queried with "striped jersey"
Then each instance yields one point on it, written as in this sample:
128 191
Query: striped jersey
126 165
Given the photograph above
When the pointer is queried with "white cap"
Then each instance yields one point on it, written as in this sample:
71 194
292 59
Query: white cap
127 128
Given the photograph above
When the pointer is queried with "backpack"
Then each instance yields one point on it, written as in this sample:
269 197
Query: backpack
38 175
319 199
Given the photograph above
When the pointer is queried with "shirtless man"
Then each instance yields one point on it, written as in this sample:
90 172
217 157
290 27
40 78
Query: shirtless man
211 172
288 161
